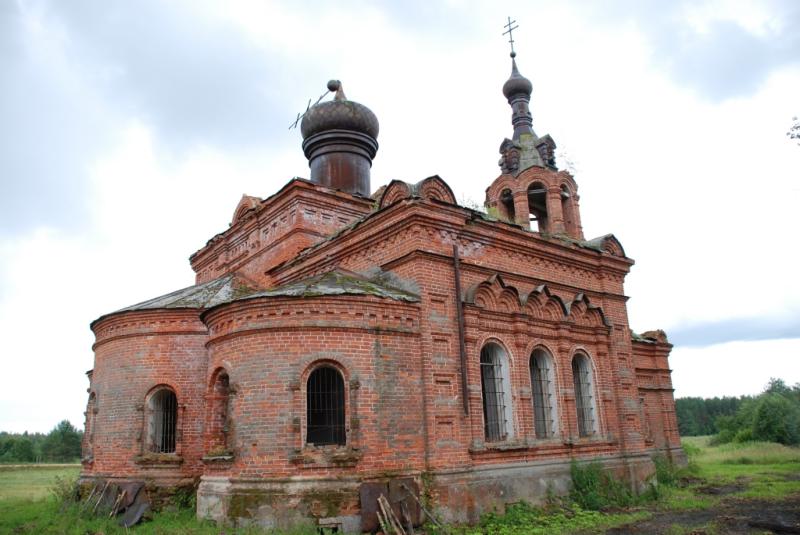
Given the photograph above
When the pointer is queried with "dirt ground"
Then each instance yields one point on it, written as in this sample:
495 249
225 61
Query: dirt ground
731 516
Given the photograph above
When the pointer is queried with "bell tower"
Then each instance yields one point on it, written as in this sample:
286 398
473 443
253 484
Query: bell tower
531 191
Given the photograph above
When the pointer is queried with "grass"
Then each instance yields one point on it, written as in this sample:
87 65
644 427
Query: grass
31 482
754 470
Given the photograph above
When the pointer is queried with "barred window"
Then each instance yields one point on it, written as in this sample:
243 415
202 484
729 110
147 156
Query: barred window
325 407
494 381
163 417
584 400
543 390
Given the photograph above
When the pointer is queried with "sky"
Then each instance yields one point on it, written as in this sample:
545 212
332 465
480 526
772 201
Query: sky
130 130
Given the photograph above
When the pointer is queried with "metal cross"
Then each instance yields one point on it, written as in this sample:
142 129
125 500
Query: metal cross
511 27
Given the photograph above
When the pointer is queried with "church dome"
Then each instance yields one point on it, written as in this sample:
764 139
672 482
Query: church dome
516 84
339 114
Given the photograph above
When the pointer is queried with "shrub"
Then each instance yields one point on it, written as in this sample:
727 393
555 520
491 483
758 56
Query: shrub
65 489
776 420
594 488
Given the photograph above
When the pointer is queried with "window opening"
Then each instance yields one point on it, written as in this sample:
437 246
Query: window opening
494 407
220 415
537 205
507 200
541 385
582 377
325 406
164 415
566 209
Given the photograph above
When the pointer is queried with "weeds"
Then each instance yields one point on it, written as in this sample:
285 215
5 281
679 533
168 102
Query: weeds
594 488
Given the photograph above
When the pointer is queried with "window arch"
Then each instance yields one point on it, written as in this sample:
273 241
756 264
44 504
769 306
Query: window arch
495 382
584 394
325 407
507 201
543 393
537 205
220 409
162 408
567 209
162 422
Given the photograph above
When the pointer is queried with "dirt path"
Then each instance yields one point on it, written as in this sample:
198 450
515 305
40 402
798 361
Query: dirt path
731 516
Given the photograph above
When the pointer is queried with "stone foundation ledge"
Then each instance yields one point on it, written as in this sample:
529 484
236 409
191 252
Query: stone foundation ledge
462 496
281 504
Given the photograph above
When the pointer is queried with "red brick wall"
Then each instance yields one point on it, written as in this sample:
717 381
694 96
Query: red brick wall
135 352
269 346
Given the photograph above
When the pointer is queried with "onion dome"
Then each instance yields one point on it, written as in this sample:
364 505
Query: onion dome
339 140
516 84
339 114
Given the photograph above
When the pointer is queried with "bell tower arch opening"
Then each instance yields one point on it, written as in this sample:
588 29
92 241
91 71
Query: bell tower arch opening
537 206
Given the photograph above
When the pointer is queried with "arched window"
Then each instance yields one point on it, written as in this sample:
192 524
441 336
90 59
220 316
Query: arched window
567 211
507 200
543 390
162 422
88 431
496 401
537 205
325 407
584 394
219 401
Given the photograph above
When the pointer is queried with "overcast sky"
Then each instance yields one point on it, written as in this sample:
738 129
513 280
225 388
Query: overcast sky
129 131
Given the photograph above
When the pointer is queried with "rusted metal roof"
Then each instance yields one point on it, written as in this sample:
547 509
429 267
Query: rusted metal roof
338 283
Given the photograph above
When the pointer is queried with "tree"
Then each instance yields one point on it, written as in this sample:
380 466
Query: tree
794 130
62 444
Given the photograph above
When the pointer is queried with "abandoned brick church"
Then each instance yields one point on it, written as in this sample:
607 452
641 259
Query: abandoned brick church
341 343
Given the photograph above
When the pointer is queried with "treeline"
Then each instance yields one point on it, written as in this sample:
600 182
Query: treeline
698 416
772 416
61 445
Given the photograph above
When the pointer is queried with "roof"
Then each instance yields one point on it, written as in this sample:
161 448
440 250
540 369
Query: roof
340 283
226 288
232 287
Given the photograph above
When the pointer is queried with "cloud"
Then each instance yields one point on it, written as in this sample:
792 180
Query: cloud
719 49
736 329
72 71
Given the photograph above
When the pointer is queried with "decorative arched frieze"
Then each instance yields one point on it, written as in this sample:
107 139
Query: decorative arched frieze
434 188
583 312
246 204
612 246
395 191
543 304
494 294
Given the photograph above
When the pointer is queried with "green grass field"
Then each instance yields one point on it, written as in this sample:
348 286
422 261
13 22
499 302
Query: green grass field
719 478
31 482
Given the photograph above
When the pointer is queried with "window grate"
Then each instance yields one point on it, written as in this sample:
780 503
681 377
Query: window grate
542 399
494 408
581 375
325 407
164 417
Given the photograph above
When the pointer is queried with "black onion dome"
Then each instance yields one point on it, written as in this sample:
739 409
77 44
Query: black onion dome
339 114
517 83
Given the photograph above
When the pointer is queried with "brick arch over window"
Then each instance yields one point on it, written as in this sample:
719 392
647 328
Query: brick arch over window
161 424
496 392
543 393
325 406
585 403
